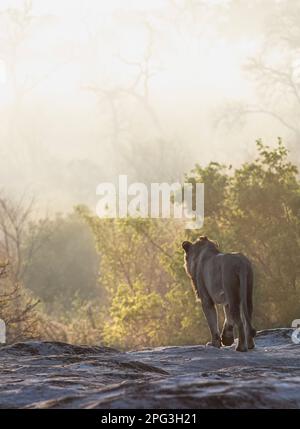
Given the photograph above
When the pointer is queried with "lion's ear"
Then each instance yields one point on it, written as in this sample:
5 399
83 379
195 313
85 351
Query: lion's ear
186 245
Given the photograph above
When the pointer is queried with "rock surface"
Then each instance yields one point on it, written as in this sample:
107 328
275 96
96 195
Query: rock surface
58 375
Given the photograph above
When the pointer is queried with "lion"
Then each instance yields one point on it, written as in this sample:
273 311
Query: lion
227 279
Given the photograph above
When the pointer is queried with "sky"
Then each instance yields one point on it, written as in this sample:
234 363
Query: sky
94 85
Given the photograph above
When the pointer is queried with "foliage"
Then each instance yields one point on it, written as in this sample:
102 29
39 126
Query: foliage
260 217
60 261
254 209
147 307
131 290
17 307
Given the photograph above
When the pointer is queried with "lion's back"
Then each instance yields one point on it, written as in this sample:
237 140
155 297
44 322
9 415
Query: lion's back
235 261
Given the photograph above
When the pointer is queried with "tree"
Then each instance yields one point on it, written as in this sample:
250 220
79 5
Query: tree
17 306
17 28
256 210
129 107
264 218
145 303
65 267
14 216
275 72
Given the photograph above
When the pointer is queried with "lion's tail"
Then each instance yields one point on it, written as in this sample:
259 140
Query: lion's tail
246 286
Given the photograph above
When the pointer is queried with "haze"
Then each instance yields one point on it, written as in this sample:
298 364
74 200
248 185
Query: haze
90 90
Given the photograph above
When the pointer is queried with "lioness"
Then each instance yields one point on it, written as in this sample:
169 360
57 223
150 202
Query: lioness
222 278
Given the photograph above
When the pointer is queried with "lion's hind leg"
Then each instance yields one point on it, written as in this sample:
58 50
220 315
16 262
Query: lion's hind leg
250 340
231 286
227 335
238 322
242 343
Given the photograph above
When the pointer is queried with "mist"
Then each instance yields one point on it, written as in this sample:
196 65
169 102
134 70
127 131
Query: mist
144 294
91 90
